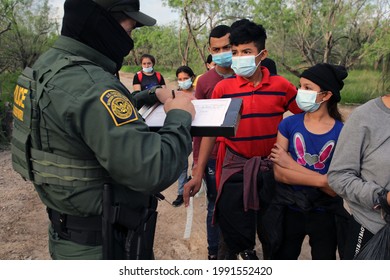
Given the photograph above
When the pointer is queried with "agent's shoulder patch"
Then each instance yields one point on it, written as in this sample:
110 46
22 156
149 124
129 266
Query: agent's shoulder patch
119 107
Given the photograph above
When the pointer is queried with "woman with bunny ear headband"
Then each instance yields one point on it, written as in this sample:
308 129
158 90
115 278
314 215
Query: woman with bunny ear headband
301 157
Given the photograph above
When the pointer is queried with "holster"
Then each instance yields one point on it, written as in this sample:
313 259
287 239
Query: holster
133 230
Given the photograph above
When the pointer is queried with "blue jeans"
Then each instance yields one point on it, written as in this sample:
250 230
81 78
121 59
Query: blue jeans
212 230
183 178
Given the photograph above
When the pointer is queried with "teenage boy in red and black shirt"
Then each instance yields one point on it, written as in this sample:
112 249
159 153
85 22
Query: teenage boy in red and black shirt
246 173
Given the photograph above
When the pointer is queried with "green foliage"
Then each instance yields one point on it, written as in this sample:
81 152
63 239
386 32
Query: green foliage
359 87
159 41
7 86
312 31
163 43
31 30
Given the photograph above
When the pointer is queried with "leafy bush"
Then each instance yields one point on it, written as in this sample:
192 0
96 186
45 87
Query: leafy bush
7 85
359 87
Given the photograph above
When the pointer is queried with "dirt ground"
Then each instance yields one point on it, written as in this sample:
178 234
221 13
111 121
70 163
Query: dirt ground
23 230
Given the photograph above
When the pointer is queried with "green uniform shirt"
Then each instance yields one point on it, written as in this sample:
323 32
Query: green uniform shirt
87 113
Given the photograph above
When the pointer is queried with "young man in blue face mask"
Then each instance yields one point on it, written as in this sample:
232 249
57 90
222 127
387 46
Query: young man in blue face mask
247 174
220 49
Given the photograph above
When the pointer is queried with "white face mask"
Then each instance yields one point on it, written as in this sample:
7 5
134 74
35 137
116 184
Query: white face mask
186 84
306 100
223 59
245 66
148 69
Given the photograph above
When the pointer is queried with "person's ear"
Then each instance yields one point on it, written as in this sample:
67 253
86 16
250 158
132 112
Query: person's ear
326 95
264 54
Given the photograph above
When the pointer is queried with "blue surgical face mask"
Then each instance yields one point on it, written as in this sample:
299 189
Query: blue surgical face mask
306 100
245 66
223 59
186 84
148 70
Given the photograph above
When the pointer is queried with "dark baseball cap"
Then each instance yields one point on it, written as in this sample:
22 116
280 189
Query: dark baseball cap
129 8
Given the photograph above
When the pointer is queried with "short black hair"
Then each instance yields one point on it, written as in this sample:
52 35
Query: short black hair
209 59
245 31
219 31
185 69
240 22
270 64
151 57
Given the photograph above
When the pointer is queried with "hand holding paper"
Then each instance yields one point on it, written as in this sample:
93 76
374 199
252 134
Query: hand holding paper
163 94
211 117
181 101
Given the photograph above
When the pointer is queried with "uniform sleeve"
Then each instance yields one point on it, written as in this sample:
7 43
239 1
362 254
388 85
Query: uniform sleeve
143 97
344 173
144 161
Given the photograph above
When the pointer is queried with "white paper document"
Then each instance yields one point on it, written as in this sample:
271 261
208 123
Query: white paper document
209 112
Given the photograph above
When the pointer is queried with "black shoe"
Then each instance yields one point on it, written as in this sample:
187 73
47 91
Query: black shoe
179 201
248 255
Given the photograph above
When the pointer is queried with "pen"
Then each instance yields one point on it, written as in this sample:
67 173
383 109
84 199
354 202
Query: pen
173 94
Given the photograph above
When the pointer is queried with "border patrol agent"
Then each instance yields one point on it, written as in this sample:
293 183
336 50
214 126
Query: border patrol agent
79 138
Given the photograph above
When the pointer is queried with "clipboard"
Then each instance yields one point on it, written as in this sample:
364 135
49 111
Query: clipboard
228 127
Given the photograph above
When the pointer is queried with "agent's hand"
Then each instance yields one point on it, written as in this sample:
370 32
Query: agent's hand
180 101
163 94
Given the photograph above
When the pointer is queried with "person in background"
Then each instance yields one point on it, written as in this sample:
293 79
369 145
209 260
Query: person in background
221 55
209 62
147 77
271 65
80 139
185 77
359 171
301 156
242 168
209 65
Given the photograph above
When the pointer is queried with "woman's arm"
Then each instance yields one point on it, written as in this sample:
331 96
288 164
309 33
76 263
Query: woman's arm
137 87
287 170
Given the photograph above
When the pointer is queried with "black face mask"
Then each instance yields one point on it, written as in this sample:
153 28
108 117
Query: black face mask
87 22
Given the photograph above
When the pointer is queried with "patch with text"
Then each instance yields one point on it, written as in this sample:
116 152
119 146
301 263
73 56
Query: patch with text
120 108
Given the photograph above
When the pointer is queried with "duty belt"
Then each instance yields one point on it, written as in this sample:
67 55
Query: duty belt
81 230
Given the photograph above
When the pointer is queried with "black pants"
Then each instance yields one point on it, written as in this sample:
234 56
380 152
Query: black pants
358 236
238 227
319 226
